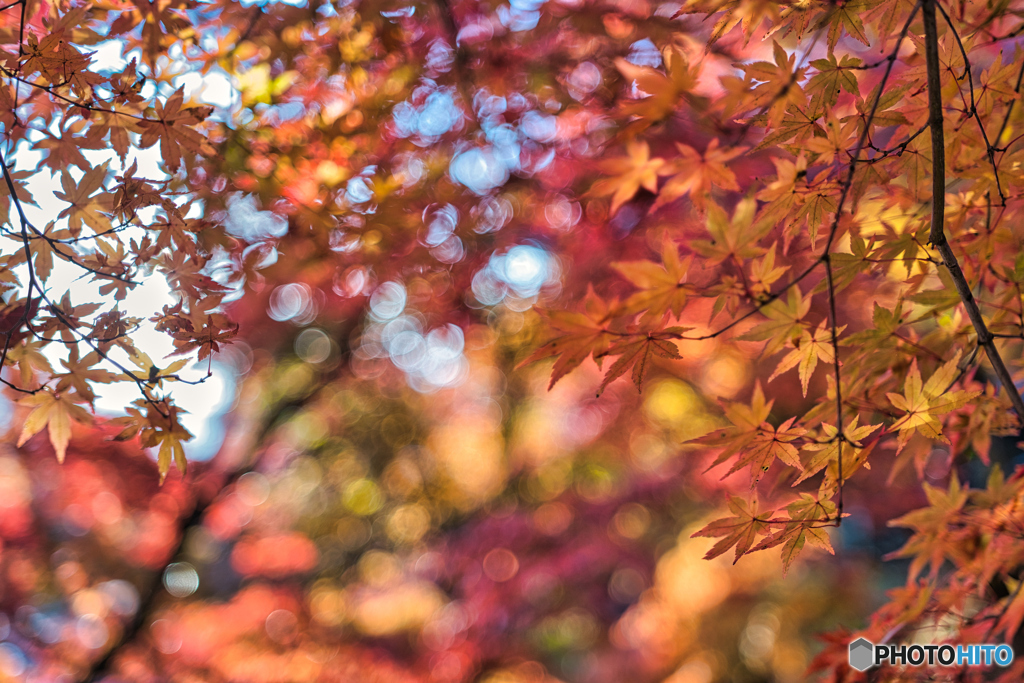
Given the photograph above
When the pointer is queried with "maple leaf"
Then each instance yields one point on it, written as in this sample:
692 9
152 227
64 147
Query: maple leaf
208 338
795 127
161 24
872 347
735 238
795 201
746 420
85 205
59 62
126 84
43 252
998 490
922 403
933 300
770 443
629 174
152 373
787 173
886 17
133 422
158 427
930 543
166 432
818 204
740 530
835 141
184 275
176 233
175 128
696 173
30 359
778 84
728 295
80 372
826 451
808 349
65 149
785 321
54 412
109 265
748 15
578 336
1012 613
112 328
661 92
114 126
882 105
764 273
833 74
637 353
662 287
171 450
67 318
991 417
810 519
846 16
847 266
132 194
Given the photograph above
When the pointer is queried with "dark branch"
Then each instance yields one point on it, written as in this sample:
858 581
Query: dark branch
937 235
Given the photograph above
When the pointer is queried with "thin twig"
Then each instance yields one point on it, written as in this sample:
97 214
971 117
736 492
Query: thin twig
990 150
1009 109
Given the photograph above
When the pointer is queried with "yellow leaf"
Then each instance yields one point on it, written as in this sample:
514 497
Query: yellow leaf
768 445
661 92
54 412
807 352
170 449
629 174
661 286
826 452
732 238
922 403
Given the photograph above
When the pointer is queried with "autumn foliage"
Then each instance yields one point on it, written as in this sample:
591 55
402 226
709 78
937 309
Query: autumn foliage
505 301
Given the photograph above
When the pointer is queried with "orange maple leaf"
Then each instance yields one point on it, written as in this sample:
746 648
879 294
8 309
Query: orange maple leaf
629 174
695 173
740 530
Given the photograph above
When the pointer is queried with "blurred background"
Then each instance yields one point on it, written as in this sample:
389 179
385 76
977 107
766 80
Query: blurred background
428 513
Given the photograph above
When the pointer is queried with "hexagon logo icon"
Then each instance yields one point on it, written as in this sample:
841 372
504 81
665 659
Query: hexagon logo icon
862 654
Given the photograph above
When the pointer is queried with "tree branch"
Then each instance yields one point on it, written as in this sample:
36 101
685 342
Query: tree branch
151 594
937 235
